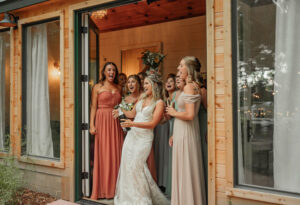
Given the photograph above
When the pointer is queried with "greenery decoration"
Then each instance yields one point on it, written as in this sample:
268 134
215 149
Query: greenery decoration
152 59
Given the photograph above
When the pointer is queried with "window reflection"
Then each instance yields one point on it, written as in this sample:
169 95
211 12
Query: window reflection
4 90
268 77
41 91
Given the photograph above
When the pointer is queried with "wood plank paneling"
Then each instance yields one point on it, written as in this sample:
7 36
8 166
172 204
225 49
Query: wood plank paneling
221 171
219 33
219 60
220 74
220 156
218 6
219 20
210 7
222 199
220 143
228 93
219 46
189 32
252 196
220 101
220 89
220 185
141 14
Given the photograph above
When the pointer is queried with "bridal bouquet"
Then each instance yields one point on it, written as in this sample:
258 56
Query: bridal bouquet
124 106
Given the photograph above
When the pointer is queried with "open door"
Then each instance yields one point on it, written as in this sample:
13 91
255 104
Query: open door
89 77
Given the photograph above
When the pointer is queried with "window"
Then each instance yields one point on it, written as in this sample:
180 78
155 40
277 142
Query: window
41 90
267 98
4 90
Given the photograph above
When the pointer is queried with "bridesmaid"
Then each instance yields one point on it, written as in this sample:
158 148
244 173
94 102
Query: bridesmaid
108 133
188 185
122 79
134 86
179 86
161 138
142 76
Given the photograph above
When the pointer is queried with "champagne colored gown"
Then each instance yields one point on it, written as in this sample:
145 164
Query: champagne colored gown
188 185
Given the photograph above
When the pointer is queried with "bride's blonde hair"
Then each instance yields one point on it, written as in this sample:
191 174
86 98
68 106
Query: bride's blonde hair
157 85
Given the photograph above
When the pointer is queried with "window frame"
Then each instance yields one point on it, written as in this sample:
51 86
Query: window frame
5 153
57 15
233 188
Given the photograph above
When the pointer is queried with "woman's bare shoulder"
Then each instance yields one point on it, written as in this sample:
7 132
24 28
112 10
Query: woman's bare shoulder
192 88
97 87
160 102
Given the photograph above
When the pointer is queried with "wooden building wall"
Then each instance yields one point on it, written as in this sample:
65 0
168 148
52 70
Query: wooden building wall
58 178
220 124
177 38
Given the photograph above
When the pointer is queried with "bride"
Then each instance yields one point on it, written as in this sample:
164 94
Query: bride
135 185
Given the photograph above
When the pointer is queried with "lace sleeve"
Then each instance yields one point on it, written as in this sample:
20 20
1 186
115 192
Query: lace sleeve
160 101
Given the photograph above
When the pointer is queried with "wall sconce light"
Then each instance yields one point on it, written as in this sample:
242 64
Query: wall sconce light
9 20
56 67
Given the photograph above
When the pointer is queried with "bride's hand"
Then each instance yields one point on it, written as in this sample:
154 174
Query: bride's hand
115 113
170 111
126 123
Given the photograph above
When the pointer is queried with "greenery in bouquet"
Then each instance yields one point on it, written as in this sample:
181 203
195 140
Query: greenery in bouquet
125 106
152 59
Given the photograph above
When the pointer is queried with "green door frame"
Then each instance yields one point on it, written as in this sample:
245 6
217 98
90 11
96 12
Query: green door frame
77 82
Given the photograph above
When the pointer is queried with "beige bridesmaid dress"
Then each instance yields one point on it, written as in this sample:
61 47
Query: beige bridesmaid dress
188 184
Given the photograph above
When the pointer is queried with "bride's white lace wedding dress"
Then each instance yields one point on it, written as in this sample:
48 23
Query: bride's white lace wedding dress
135 185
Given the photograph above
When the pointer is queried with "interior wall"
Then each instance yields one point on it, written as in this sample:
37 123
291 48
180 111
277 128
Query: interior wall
54 69
179 38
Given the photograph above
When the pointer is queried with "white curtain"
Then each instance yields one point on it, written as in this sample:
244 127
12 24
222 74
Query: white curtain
2 92
39 137
287 97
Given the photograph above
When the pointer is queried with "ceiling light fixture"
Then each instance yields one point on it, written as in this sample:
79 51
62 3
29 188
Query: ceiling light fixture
99 14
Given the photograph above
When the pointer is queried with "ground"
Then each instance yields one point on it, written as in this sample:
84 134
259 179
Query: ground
28 197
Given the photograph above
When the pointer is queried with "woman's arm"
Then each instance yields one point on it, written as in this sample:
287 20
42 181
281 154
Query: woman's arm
189 112
157 115
93 109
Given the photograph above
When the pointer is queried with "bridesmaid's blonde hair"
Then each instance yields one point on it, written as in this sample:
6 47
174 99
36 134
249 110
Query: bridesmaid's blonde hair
193 67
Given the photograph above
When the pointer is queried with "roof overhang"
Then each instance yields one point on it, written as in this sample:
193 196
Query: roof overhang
10 5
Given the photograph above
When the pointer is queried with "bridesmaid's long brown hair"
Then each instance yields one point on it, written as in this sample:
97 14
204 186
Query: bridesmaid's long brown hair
116 81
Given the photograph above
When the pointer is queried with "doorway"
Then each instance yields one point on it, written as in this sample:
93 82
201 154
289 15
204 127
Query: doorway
119 31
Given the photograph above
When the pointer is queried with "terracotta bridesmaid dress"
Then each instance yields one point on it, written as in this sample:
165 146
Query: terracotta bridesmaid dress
108 146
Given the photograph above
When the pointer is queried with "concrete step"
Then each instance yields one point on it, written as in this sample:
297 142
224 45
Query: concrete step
62 202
